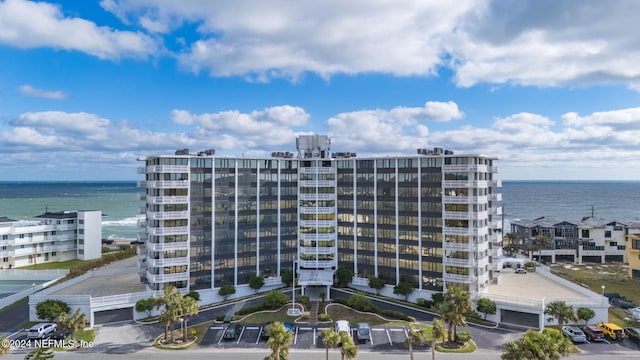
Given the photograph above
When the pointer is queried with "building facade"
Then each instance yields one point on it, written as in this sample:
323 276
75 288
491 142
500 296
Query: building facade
430 219
54 236
589 239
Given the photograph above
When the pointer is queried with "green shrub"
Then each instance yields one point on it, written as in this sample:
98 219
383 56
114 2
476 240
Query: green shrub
220 317
359 302
275 299
464 336
324 317
251 309
411 319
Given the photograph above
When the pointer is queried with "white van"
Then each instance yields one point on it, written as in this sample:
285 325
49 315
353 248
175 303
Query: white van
39 331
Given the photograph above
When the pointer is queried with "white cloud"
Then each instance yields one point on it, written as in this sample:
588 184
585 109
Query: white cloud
529 42
27 24
29 90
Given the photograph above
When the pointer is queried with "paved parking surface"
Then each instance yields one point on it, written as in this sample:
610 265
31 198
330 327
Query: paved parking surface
383 338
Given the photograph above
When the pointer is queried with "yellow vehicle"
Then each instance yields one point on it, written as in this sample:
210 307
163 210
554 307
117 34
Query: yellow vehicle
612 331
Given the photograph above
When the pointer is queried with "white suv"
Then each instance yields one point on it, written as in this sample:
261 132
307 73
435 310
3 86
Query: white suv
342 326
40 330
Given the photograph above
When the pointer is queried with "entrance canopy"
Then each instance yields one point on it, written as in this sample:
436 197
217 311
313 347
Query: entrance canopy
315 277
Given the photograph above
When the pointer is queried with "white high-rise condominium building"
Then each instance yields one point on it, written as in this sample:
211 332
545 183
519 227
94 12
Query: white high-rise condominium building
431 219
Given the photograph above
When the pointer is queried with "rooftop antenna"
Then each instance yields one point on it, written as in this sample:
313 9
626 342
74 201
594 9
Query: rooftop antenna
593 210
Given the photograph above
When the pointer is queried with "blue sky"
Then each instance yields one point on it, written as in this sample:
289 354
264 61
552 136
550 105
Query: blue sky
549 87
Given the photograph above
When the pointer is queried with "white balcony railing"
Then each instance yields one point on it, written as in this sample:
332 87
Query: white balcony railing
168 184
168 169
168 262
316 170
464 168
318 183
311 197
312 237
318 250
168 246
163 278
168 199
316 210
167 215
457 246
459 262
318 223
177 230
463 279
495 197
317 264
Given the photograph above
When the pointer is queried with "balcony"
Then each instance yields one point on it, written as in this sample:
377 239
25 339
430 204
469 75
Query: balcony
177 230
167 215
465 231
464 168
466 263
312 197
496 211
318 250
316 170
495 197
464 183
457 246
168 200
168 184
320 264
495 183
483 262
141 170
184 245
167 169
142 197
465 199
462 279
164 278
318 223
494 169
168 262
312 237
318 183
142 223
316 210
141 250
22 252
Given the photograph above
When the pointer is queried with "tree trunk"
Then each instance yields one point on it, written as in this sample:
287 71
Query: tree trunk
410 349
185 333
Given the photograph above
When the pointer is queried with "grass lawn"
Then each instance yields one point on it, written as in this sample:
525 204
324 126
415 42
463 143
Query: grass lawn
268 316
613 276
54 265
339 312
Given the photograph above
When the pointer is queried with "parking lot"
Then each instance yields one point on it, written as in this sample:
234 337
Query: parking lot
383 338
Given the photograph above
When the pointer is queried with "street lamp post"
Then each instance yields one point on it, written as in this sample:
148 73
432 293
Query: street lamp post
604 299
294 311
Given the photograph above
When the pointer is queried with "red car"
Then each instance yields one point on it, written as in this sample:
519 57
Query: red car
592 332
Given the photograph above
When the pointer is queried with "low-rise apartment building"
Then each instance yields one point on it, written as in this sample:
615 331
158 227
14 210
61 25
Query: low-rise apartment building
52 236
589 239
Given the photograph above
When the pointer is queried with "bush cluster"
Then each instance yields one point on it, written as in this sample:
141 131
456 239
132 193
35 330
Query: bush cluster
252 308
102 261
384 312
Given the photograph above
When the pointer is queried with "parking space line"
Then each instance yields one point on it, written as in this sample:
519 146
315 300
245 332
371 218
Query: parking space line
252 327
389 337
295 338
260 334
240 337
305 328
314 336
216 327
221 336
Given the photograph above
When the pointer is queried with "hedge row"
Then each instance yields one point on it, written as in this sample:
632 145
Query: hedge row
102 261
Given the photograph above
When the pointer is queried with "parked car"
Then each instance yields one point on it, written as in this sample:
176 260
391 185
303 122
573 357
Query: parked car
266 334
575 334
363 333
342 326
592 332
39 331
612 331
57 335
232 332
620 301
521 271
632 334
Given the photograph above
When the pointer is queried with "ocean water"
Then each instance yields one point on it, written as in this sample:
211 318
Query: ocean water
119 201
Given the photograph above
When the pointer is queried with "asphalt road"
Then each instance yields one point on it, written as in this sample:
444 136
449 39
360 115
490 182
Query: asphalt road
14 317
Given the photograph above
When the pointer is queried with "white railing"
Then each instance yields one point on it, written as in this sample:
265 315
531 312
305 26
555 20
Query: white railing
483 246
316 210
318 223
272 280
168 169
318 250
168 184
494 169
457 246
495 197
311 197
459 262
168 246
495 183
318 183
464 168
168 199
168 262
514 300
482 262
162 278
317 264
464 279
177 230
455 215
314 170
312 237
464 183
360 281
141 223
141 184
25 251
167 215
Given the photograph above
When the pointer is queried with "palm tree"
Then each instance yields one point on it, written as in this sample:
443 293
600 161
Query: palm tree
561 311
73 323
188 306
171 312
349 349
330 339
460 303
279 341
416 335
541 242
40 354
447 314
437 332
548 344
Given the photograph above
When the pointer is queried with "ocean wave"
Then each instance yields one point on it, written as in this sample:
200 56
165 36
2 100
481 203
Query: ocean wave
130 221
